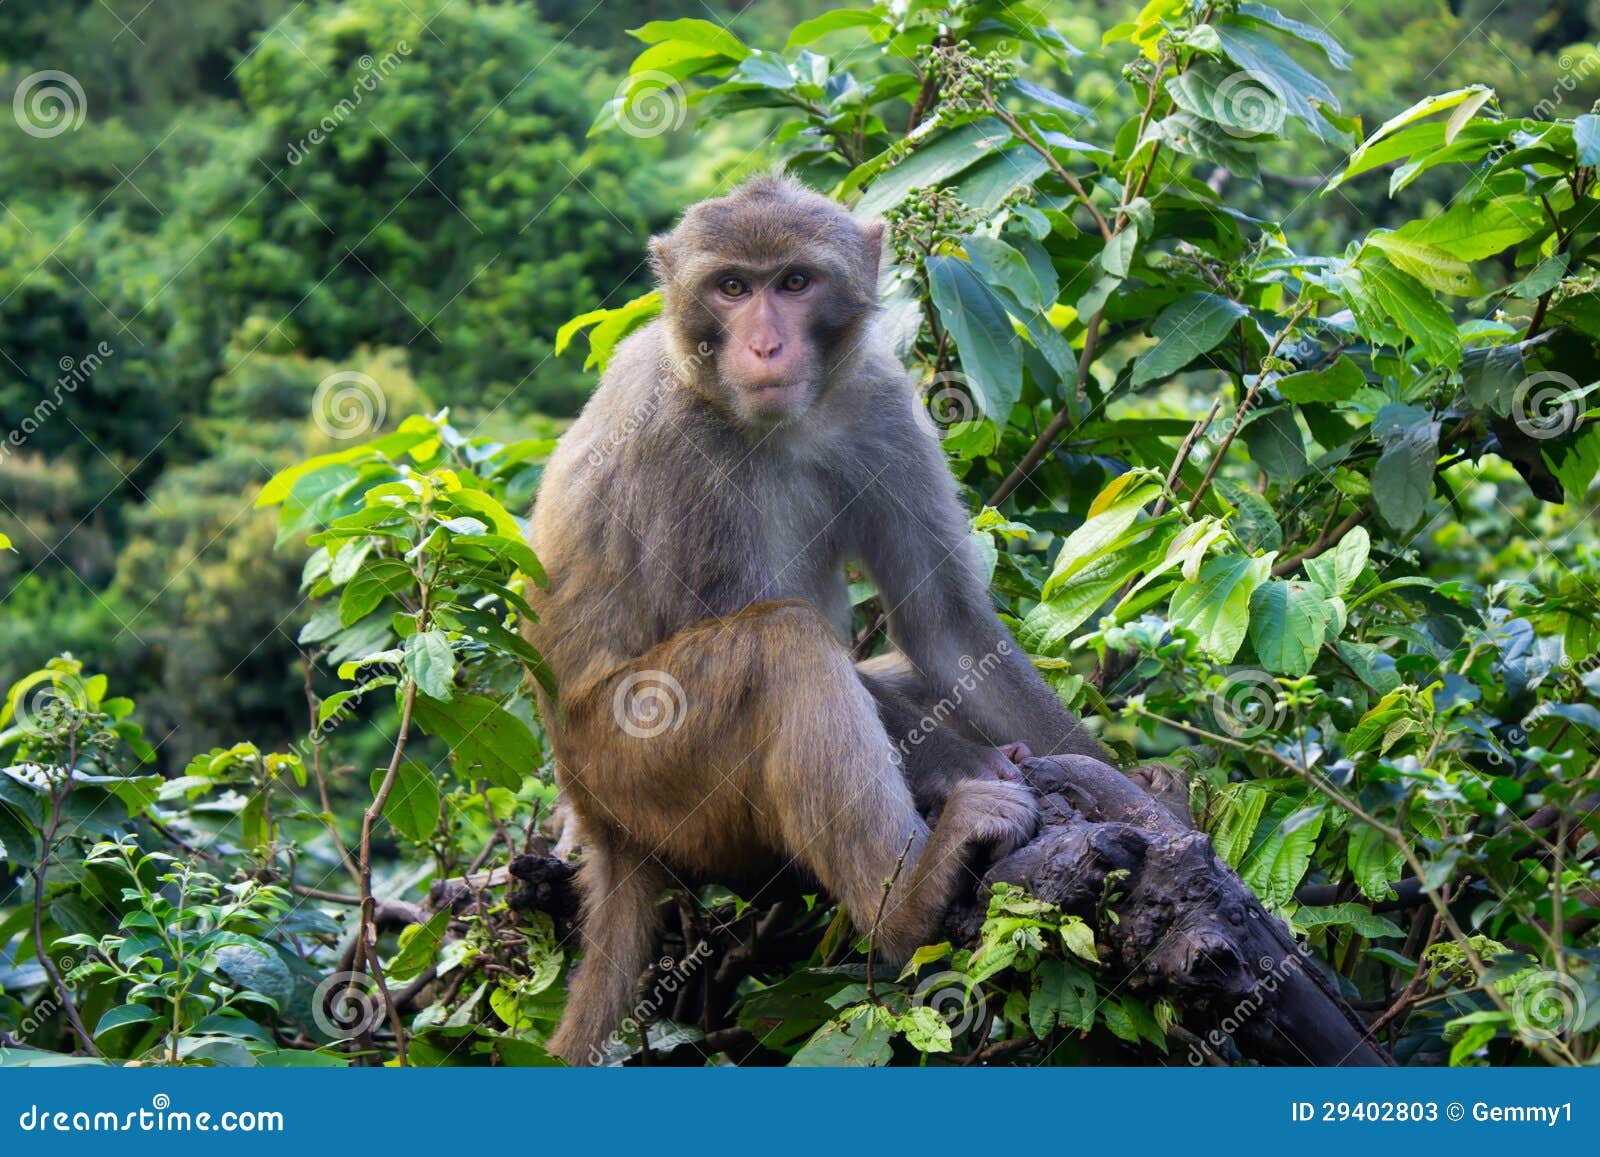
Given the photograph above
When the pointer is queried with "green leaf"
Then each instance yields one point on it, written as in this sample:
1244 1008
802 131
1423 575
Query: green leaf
431 662
1332 383
931 164
1275 443
976 319
1434 267
1114 510
808 31
1390 305
1374 861
1278 863
1426 107
1185 329
1064 995
1288 620
1310 33
1217 607
1473 230
1402 480
484 738
1255 52
375 581
413 803
1241 805
1586 139
703 34
863 1041
124 1014
418 946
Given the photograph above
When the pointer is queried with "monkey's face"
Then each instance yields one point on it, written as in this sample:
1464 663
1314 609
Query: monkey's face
772 284
769 337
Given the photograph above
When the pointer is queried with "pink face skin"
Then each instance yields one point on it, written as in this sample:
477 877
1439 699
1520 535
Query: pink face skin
767 363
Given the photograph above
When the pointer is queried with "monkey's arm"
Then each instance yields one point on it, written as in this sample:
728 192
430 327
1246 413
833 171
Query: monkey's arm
942 618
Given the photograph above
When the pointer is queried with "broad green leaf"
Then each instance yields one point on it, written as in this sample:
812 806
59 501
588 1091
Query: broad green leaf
703 34
1434 267
1586 139
431 663
124 1014
1402 480
1374 861
373 583
863 1041
1426 107
1390 305
1217 607
817 27
484 738
1332 383
1064 995
413 803
1188 327
1114 510
1287 622
1273 68
1278 863
1473 230
975 318
1275 443
931 164
1310 33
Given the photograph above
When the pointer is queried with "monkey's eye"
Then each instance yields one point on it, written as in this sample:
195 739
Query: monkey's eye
795 282
732 287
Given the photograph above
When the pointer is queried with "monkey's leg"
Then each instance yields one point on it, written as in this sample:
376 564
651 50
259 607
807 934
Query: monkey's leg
854 821
620 891
935 755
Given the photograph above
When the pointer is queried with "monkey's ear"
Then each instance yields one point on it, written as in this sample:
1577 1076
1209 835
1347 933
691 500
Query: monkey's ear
872 242
661 256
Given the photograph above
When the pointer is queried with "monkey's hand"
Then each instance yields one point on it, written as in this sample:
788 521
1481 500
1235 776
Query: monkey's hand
1001 813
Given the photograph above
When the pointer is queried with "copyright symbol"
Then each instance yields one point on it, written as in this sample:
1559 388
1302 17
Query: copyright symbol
1454 1111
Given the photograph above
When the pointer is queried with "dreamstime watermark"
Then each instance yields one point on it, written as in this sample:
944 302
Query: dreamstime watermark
160 1117
340 715
49 1005
1273 974
670 977
975 672
373 73
49 103
670 374
957 1000
1547 1005
1545 405
1249 104
1573 72
348 404
346 1005
948 401
74 373
651 103
1249 703
649 703
1580 672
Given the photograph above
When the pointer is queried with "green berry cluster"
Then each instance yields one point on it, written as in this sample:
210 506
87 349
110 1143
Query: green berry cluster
926 220
964 77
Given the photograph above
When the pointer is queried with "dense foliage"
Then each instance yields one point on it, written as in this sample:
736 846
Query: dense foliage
1302 506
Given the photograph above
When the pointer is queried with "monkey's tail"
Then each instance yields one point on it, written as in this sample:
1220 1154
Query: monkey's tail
620 918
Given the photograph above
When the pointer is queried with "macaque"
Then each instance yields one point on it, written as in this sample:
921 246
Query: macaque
695 523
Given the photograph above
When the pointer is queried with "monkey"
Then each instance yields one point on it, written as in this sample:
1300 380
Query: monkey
694 524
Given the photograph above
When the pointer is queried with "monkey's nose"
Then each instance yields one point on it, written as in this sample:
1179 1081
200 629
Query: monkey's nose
766 351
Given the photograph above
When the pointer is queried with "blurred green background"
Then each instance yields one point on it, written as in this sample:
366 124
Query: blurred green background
251 196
